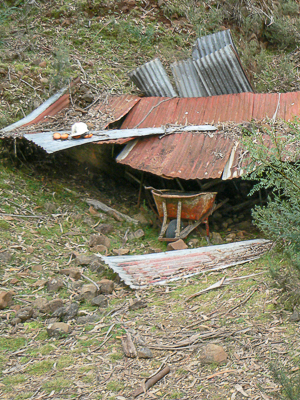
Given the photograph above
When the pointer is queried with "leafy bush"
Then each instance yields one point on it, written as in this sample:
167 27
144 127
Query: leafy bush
275 166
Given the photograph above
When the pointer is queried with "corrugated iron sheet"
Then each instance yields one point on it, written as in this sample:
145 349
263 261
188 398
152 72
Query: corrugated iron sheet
115 107
187 79
50 107
141 271
189 156
220 72
211 43
152 79
45 139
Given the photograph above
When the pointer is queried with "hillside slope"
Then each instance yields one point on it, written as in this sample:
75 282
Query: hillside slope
46 44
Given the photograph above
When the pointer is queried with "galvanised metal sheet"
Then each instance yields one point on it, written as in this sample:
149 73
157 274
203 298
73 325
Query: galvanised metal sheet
220 72
46 141
141 271
211 43
187 79
152 79
181 155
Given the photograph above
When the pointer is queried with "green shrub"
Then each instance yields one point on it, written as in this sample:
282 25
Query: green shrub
276 167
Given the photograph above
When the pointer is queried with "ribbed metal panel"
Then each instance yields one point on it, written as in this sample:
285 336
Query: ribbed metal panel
140 271
187 80
180 155
152 79
221 73
211 43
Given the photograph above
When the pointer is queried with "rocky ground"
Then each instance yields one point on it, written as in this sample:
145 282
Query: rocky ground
71 329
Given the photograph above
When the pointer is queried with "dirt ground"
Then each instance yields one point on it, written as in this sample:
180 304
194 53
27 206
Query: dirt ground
89 362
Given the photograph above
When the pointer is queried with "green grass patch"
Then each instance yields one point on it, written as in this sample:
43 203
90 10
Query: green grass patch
40 368
12 344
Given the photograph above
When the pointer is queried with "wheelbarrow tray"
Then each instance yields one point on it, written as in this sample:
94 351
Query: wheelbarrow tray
193 205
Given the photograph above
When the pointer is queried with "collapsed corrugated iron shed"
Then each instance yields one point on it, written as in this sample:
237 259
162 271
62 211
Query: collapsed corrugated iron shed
160 268
199 155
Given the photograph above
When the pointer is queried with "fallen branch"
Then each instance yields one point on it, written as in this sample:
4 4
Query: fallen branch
152 381
98 205
220 283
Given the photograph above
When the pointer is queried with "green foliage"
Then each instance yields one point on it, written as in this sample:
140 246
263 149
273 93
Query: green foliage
275 167
290 383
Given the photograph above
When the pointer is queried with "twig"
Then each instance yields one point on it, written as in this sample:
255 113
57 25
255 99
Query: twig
22 216
241 303
220 283
89 279
158 104
152 381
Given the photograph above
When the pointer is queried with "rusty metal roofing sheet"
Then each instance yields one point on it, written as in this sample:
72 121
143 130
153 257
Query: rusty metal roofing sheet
187 79
152 79
161 268
116 107
182 155
220 72
50 107
211 43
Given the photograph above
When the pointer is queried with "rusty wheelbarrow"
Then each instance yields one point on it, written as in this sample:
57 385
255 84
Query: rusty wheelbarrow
183 205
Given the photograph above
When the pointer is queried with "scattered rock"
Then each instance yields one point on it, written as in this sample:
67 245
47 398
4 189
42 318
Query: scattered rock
88 319
100 301
100 239
225 225
67 312
100 248
240 234
137 305
5 257
24 313
73 273
295 317
144 352
15 321
54 285
14 281
136 235
155 250
216 238
39 283
106 286
5 299
121 252
88 292
231 237
36 268
85 260
194 242
105 229
212 353
43 64
41 304
178 245
55 304
58 329
97 266
141 218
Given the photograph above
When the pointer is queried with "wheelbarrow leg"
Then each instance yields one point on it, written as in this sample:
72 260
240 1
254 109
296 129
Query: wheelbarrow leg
164 224
207 230
177 232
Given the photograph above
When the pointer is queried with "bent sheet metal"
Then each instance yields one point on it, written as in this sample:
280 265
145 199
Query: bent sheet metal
140 271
